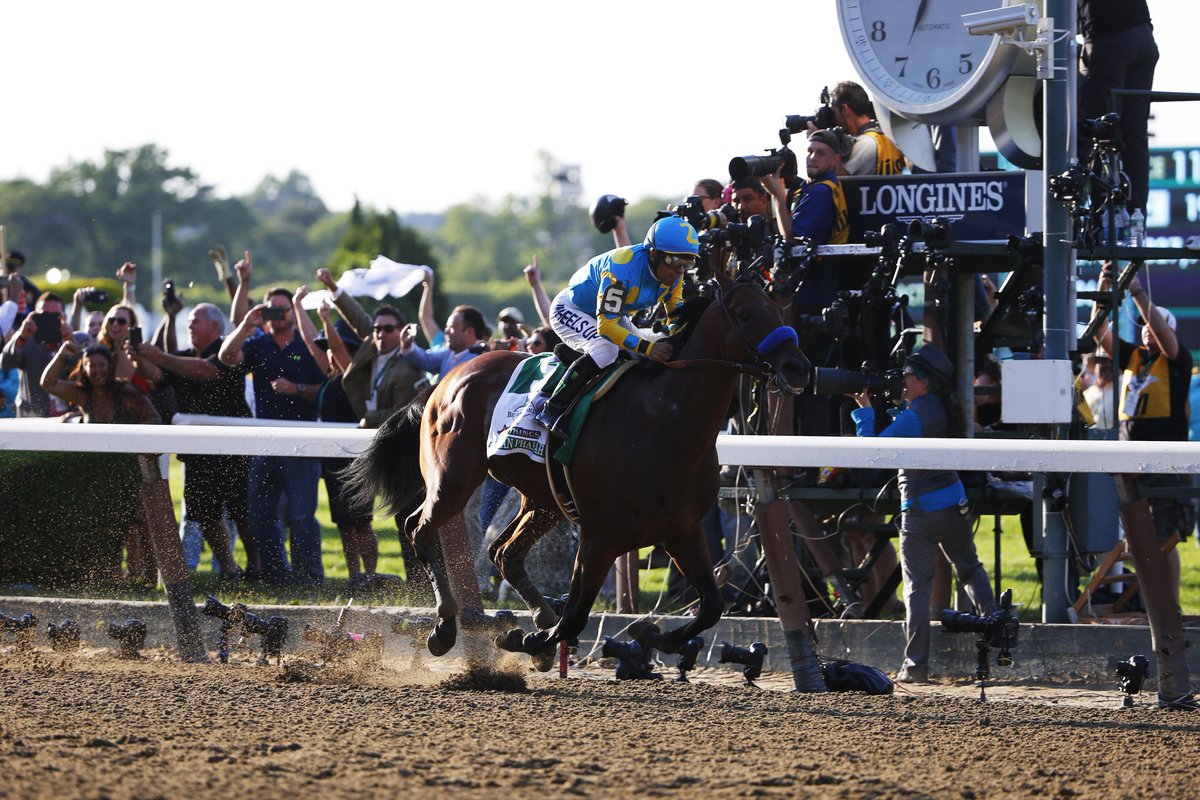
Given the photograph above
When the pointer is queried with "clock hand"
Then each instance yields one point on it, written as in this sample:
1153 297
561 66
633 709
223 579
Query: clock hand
917 22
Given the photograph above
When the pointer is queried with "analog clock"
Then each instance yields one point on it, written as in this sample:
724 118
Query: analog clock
917 59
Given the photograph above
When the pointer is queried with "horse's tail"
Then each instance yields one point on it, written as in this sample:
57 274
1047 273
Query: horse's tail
390 467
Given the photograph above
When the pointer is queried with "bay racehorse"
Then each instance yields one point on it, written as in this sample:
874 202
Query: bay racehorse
644 472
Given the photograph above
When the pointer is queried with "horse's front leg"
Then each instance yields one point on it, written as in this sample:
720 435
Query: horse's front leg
690 553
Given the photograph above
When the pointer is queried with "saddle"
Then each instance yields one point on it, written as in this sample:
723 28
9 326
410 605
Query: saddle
560 452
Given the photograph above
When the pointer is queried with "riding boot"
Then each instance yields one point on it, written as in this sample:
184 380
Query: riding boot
554 415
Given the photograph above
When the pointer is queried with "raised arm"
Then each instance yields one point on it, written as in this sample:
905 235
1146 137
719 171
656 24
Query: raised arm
429 325
540 300
308 331
241 295
337 347
200 369
52 376
231 349
127 275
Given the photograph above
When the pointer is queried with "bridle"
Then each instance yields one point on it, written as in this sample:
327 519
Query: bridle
759 366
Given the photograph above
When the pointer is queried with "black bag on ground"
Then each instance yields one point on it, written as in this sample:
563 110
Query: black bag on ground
846 676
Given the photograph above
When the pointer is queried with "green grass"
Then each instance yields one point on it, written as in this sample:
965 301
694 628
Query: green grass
1017 568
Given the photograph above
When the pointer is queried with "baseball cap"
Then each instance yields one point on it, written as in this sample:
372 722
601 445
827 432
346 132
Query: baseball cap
512 314
1167 315
835 138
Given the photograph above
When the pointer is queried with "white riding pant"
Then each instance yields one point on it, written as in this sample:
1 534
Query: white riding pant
579 330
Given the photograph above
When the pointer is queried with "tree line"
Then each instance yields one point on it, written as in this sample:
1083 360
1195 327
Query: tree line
91 216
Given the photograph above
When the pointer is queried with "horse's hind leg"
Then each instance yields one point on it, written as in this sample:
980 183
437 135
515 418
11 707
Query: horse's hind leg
592 563
690 553
447 493
509 551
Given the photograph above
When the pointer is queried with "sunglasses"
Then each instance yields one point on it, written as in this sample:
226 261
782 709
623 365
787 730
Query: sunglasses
675 262
385 328
119 321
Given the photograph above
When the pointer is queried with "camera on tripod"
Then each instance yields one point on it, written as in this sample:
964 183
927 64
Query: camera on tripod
750 658
635 661
821 118
1103 131
1131 676
998 629
130 635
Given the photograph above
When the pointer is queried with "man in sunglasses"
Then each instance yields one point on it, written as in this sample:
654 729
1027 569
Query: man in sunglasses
592 315
379 379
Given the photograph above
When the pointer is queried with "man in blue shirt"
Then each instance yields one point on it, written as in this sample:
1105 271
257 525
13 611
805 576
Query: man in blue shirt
286 382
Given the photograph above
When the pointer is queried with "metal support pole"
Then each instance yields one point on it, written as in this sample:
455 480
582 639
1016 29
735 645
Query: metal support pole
787 583
1162 608
1057 271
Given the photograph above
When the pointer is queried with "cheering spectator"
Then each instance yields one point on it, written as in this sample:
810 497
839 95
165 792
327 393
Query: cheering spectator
378 380
286 382
214 487
30 351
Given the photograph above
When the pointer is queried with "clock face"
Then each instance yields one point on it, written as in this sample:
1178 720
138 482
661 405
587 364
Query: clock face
917 59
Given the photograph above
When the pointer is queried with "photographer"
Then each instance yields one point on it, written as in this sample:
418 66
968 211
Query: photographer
933 503
818 206
873 153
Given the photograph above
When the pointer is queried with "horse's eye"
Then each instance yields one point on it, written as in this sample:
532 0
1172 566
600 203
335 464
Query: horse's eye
744 316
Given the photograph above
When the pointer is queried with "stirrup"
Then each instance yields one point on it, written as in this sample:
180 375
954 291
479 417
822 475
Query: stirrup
547 417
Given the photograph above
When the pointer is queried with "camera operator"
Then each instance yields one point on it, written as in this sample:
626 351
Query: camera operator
818 208
1119 52
1154 406
933 503
873 153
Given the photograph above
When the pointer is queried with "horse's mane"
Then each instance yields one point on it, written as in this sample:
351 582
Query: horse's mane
685 316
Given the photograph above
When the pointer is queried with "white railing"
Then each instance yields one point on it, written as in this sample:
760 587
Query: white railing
257 438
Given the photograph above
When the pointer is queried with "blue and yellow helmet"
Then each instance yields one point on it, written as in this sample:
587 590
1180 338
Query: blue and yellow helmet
673 235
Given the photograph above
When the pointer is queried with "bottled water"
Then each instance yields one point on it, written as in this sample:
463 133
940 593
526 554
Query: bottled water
1137 229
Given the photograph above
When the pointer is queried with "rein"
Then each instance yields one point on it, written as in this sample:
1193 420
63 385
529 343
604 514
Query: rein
736 366
757 368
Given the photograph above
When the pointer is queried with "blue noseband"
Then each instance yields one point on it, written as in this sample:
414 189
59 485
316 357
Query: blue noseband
775 338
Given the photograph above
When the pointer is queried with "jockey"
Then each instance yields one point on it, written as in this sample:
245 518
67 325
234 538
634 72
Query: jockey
592 314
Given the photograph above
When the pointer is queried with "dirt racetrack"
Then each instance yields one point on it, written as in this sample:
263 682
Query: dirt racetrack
92 726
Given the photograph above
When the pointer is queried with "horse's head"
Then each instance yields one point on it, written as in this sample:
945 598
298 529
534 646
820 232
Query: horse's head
754 331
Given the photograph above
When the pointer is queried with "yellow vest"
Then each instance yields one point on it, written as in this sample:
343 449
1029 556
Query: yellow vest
888 158
841 225
1154 380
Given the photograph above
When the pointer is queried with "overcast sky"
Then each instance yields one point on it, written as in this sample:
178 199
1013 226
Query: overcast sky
416 106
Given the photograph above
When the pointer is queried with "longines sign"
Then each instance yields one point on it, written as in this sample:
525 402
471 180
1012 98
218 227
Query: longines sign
979 205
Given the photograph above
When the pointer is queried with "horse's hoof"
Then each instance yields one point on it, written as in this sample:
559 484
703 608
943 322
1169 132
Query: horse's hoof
544 660
442 637
645 633
511 642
